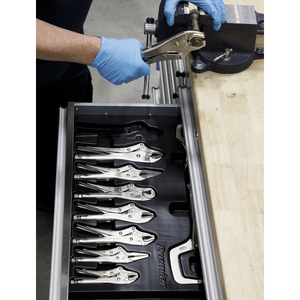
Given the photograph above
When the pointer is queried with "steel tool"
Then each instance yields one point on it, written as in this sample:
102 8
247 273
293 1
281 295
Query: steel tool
127 213
128 172
187 246
114 255
175 47
137 153
130 235
114 276
129 191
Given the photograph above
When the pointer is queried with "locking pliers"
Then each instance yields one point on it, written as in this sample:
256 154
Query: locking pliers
126 213
114 276
113 255
129 191
128 172
175 47
129 235
137 153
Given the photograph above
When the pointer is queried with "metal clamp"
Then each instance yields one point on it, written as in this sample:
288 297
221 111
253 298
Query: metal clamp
129 191
175 47
130 235
114 255
174 259
127 172
114 276
137 153
127 213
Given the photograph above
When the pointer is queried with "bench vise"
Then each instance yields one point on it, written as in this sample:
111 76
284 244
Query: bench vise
232 49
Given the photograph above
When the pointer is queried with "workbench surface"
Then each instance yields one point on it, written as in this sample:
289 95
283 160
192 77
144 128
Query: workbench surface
230 110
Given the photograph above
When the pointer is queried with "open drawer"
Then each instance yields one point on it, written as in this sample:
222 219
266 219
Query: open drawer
179 254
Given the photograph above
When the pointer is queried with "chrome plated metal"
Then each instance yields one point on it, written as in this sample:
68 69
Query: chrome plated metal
129 191
240 14
175 47
148 30
113 255
175 266
113 276
127 213
55 290
128 172
130 235
225 55
201 211
136 153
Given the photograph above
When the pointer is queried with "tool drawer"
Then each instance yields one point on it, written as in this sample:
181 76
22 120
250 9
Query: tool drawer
119 229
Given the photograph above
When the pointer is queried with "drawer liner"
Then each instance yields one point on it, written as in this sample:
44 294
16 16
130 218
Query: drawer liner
172 223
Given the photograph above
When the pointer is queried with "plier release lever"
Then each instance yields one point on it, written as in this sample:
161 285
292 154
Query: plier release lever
175 47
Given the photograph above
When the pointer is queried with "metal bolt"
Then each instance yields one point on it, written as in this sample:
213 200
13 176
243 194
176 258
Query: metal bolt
194 15
199 64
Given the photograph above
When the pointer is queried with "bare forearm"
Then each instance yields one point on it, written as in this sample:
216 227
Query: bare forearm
58 44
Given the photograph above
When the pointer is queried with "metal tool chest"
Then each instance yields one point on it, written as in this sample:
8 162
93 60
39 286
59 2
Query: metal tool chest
181 260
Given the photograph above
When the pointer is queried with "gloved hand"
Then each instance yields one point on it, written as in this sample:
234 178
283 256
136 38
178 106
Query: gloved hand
120 61
215 8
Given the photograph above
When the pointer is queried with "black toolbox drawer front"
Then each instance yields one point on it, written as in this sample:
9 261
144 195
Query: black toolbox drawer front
120 126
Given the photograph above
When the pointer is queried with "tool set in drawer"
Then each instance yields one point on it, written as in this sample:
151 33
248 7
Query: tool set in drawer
130 208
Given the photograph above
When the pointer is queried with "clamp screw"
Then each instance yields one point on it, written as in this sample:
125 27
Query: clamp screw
194 15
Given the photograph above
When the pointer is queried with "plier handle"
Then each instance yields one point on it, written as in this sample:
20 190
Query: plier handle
175 47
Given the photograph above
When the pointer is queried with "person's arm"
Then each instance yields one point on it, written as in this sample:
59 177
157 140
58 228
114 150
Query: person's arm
58 44
118 61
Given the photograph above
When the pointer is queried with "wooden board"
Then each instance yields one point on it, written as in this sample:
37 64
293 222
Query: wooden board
230 110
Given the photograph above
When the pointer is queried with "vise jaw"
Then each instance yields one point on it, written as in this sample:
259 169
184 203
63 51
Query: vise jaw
232 49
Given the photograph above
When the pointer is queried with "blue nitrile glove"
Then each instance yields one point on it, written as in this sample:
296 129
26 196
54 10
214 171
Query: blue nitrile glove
120 61
215 8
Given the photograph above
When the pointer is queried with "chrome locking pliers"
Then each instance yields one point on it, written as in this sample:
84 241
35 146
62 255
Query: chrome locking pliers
114 255
175 47
137 153
130 235
127 172
129 191
127 213
115 276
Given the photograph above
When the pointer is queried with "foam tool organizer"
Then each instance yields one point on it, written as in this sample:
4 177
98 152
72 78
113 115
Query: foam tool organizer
130 205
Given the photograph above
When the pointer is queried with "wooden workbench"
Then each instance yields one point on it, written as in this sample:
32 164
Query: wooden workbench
230 110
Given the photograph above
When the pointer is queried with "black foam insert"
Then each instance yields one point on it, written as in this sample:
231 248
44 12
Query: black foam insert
171 225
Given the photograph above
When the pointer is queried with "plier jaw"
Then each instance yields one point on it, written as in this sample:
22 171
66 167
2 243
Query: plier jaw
175 47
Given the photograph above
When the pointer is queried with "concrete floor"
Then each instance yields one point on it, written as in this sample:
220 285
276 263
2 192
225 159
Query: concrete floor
128 20
129 23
